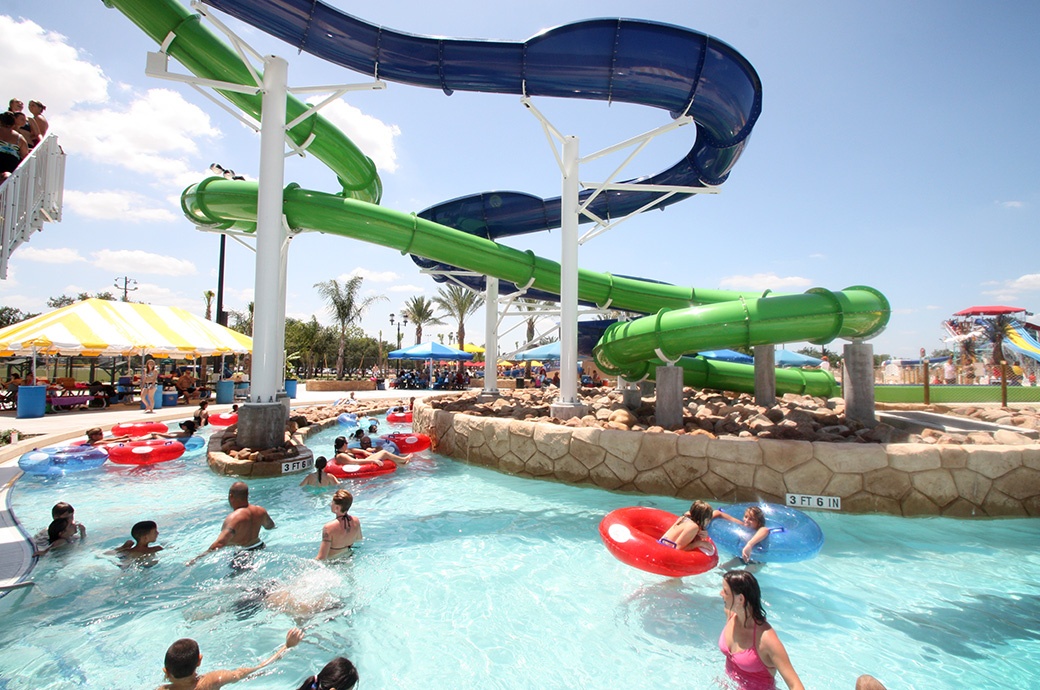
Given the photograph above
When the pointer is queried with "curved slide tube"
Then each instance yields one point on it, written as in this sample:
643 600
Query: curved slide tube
726 105
657 65
1019 339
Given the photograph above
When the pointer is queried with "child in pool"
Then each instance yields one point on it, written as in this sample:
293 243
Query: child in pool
689 532
145 534
320 477
754 519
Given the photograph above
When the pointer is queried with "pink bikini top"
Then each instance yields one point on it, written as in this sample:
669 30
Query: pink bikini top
746 667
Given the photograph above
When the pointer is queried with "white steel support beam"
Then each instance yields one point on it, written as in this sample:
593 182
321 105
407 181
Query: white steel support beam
269 300
569 275
491 337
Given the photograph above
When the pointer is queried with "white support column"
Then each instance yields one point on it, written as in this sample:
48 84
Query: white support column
491 337
269 301
568 406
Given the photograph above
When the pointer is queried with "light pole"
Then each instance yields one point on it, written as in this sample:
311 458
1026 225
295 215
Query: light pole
402 321
217 169
125 287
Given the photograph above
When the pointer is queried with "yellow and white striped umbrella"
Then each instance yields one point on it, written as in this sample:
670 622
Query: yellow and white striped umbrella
96 327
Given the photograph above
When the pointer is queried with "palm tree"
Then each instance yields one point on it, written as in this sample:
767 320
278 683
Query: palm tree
347 307
459 303
420 311
208 295
532 305
242 321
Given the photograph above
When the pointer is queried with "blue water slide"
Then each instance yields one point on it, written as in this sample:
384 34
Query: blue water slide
646 63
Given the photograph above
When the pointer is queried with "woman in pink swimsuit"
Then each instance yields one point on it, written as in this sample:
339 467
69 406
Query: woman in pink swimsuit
753 651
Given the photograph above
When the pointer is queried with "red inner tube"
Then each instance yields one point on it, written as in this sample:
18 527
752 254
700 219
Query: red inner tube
399 417
409 443
631 535
367 469
145 452
139 428
223 419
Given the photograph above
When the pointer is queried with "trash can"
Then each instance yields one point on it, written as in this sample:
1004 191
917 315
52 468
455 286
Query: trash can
169 398
290 387
32 402
225 392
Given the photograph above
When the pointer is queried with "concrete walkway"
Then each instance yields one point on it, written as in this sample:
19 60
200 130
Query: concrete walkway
17 554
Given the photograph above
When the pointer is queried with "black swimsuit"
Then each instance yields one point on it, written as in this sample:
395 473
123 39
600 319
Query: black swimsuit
346 521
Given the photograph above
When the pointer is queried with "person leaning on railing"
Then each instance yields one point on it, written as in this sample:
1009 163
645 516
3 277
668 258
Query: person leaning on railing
13 146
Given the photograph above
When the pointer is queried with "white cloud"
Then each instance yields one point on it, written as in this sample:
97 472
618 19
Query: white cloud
142 262
373 136
406 288
117 205
1012 204
763 281
61 255
373 276
1015 289
42 66
153 136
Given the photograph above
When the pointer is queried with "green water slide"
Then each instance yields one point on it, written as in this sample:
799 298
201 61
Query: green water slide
682 320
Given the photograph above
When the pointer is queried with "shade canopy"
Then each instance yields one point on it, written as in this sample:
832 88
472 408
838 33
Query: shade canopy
96 327
784 358
470 347
542 352
431 350
989 310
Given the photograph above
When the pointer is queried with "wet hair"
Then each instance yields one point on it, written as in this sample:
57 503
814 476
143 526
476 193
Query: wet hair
339 673
204 404
94 430
142 528
366 442
344 499
373 428
7 119
358 434
182 658
54 530
61 508
339 444
700 512
743 582
757 516
189 424
319 464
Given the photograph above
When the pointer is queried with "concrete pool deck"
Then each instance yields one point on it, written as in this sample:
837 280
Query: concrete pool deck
17 553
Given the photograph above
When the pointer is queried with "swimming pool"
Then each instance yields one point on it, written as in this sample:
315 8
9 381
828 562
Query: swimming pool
468 578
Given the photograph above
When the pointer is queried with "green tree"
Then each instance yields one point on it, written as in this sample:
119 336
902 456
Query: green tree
532 305
459 303
65 300
301 340
208 295
347 307
421 312
242 321
10 315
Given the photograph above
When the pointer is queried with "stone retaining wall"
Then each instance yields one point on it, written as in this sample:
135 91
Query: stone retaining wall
333 385
898 479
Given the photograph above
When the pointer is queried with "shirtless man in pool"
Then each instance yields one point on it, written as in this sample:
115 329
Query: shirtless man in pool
242 527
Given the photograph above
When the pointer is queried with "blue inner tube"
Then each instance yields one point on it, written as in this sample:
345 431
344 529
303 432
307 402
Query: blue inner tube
55 462
194 443
793 535
347 419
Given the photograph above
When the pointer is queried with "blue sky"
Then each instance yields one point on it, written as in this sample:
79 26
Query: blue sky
896 149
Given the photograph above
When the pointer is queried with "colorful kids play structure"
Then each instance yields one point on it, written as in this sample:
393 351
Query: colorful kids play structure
691 76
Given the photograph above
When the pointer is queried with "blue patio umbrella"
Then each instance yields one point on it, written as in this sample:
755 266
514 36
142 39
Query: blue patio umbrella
431 351
542 352
727 356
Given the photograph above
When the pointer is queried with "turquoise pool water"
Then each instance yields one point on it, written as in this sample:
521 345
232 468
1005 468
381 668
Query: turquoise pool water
468 578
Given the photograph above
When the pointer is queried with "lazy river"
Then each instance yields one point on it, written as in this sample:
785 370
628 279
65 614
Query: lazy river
468 578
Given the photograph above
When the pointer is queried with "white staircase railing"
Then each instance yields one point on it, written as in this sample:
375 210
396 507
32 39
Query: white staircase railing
31 196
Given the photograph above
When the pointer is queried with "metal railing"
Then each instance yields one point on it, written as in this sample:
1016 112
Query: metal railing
31 196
